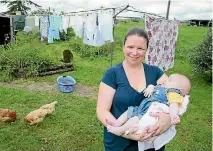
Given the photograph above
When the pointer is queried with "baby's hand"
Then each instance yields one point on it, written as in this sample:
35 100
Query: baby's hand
175 119
149 90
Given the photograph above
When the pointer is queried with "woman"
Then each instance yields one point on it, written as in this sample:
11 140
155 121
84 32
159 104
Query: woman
121 87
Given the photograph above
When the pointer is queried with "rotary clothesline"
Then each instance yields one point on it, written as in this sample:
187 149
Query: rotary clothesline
92 31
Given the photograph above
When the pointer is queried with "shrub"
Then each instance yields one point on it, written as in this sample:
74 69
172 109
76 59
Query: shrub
86 51
67 36
201 57
22 58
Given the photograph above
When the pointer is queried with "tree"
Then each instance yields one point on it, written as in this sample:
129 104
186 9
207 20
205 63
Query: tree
18 5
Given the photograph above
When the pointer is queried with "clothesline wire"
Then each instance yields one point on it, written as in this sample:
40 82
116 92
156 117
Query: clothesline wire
144 12
89 10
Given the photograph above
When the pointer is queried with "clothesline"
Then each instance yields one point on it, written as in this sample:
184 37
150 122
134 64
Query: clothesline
96 33
95 9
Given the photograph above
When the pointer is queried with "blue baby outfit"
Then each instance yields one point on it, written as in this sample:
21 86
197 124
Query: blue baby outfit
159 95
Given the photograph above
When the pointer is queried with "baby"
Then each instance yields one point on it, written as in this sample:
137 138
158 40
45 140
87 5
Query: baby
170 93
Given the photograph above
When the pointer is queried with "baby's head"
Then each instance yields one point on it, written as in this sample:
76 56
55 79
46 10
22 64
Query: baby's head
178 81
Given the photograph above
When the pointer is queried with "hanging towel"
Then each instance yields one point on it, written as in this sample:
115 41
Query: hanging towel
54 27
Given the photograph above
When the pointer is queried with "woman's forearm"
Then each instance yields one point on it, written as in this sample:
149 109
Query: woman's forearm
103 116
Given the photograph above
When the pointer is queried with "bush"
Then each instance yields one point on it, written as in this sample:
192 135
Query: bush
86 51
67 36
22 59
201 57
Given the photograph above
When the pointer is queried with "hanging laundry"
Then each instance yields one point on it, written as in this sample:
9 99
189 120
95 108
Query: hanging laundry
98 38
76 22
92 34
105 21
37 21
162 36
27 29
65 23
55 25
19 21
44 25
89 29
30 21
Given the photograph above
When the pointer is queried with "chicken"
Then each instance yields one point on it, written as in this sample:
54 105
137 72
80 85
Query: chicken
50 108
7 115
37 116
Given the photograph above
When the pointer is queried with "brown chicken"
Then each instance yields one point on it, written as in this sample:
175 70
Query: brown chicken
7 115
37 116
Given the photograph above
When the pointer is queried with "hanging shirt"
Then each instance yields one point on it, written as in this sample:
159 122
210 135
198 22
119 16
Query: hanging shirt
105 21
89 29
162 36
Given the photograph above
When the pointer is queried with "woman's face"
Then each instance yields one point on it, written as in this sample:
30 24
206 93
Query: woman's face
135 49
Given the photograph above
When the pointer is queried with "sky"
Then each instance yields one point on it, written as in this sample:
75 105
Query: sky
179 9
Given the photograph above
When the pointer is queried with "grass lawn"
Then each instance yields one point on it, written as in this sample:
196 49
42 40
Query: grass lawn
74 125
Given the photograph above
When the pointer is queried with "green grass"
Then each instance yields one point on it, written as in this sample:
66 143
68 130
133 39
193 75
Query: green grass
74 125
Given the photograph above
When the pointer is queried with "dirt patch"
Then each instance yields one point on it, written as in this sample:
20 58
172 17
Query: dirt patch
79 89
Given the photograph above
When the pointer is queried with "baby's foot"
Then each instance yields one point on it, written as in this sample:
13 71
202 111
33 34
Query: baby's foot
134 129
114 130
175 119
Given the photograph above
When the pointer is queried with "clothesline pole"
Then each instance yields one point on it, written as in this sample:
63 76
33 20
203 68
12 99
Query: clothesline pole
168 7
112 43
114 16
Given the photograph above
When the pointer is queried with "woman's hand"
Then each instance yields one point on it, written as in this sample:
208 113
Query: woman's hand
139 135
163 124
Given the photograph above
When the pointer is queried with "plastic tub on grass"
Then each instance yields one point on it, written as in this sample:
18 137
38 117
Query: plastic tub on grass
66 83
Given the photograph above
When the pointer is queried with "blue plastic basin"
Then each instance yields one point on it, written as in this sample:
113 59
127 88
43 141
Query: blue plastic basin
66 83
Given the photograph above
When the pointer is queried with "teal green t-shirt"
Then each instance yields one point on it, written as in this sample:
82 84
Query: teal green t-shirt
124 97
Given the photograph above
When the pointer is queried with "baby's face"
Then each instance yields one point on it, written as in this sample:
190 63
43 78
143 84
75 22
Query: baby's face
171 82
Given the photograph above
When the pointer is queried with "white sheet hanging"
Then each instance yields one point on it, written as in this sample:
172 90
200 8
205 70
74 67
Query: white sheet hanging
76 22
65 23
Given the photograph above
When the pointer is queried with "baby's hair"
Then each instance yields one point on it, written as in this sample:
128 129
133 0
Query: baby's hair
186 90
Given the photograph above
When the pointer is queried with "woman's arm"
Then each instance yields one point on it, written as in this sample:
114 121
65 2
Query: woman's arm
139 135
105 97
163 124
